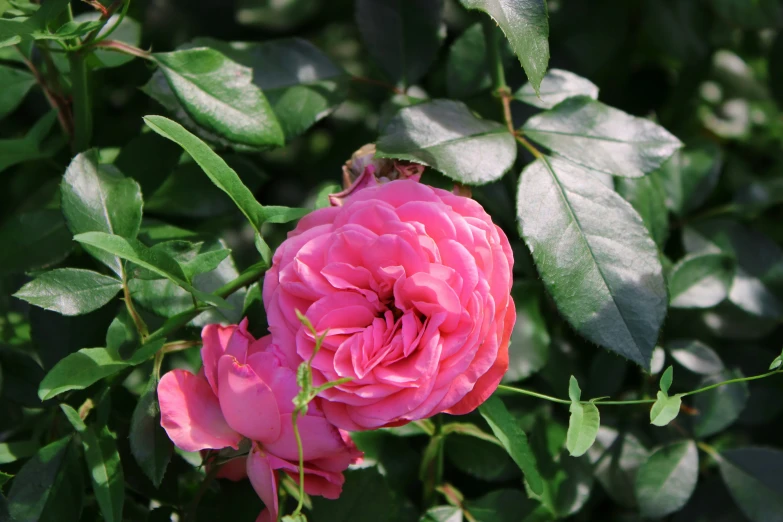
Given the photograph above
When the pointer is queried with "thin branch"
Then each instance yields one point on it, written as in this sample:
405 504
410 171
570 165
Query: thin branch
55 101
121 47
379 83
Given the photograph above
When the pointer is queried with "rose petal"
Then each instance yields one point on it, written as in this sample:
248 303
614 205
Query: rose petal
320 439
264 480
248 404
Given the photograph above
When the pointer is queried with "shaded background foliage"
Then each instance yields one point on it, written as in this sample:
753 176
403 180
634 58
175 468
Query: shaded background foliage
709 71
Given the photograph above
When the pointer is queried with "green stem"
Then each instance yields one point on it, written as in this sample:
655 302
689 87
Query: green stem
529 146
530 393
492 39
141 327
300 450
80 92
120 47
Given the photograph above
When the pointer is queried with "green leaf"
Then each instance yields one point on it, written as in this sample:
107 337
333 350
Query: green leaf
701 280
16 84
219 95
574 392
665 409
222 175
756 14
129 32
446 136
301 83
528 351
666 481
70 291
648 198
752 476
617 456
695 356
513 440
35 145
602 138
467 66
525 23
689 176
49 487
757 286
583 427
194 258
595 256
365 496
442 514
558 85
98 198
504 505
149 444
79 370
720 407
103 462
402 37
33 240
155 260
74 418
666 379
4 477
13 451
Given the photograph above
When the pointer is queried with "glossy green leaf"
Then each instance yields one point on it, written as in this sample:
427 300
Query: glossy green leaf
602 138
220 96
648 198
300 82
528 351
480 458
103 463
98 198
525 23
695 356
558 85
720 407
617 456
446 136
154 260
49 487
583 427
194 258
467 67
70 291
757 286
33 240
665 409
149 444
752 476
689 177
513 440
222 175
16 84
402 37
701 280
35 145
89 365
666 481
595 257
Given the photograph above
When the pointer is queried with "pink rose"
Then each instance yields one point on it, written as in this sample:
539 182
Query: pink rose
412 284
244 391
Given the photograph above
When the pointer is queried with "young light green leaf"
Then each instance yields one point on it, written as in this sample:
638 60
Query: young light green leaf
154 260
777 362
666 481
525 23
612 291
602 138
73 417
513 440
701 280
665 409
558 85
149 444
70 291
98 198
442 514
695 356
666 379
574 392
16 84
222 175
301 83
583 427
720 407
445 135
33 240
103 462
220 96
49 487
752 476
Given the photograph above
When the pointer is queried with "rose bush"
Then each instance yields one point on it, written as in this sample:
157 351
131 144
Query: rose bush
244 391
411 285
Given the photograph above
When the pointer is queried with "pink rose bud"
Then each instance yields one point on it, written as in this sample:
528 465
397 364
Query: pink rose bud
245 391
365 170
412 285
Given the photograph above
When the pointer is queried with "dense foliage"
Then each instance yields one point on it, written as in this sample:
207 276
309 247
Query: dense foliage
155 154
